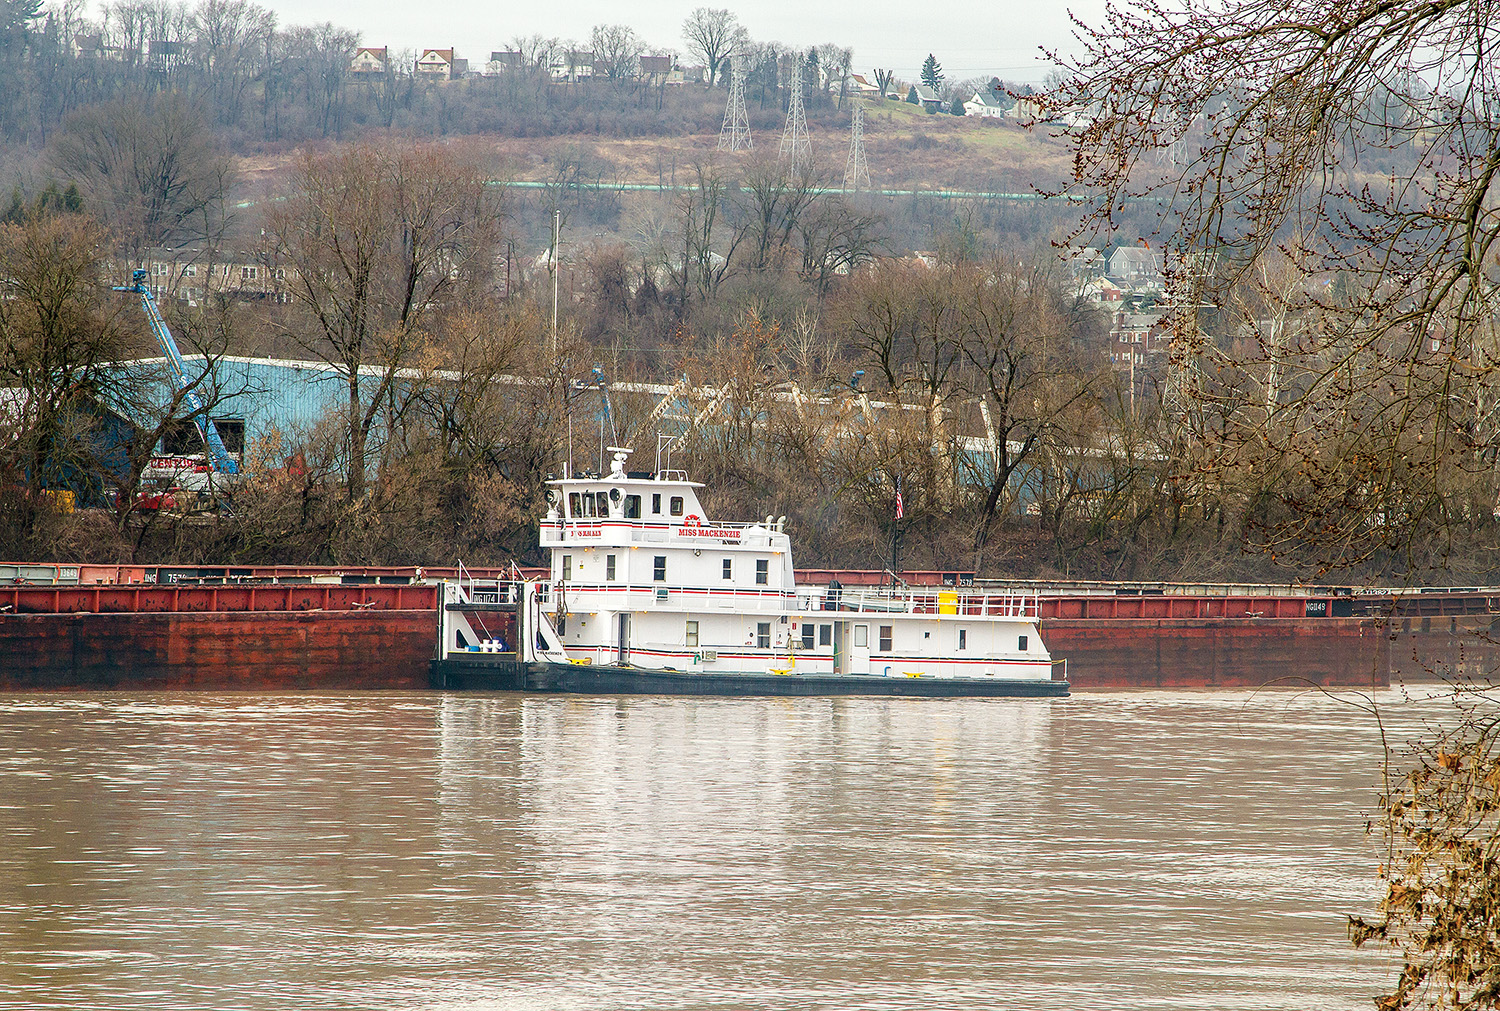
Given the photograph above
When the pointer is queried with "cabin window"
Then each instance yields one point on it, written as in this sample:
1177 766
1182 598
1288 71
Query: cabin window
963 638
1022 646
862 636
676 505
601 499
659 568
567 567
763 634
728 568
762 571
885 638
656 504
692 633
609 568
632 507
808 631
825 635
572 503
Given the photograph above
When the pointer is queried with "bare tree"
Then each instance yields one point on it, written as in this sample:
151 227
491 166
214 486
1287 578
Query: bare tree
773 198
56 346
149 165
230 35
988 335
536 52
883 79
713 35
1249 137
376 244
617 51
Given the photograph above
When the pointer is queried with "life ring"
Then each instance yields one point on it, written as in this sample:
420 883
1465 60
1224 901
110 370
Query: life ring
691 520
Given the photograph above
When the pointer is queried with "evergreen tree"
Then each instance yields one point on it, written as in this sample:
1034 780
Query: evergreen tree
932 73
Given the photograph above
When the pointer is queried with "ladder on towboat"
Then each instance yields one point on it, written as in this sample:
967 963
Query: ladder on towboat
466 600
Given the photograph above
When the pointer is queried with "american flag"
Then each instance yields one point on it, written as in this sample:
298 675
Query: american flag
899 510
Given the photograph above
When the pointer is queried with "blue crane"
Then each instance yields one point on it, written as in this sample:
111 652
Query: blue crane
219 458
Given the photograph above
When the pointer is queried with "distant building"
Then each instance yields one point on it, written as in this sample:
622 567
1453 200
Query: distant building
661 70
189 275
505 61
921 94
369 60
860 85
165 55
1140 346
441 65
988 103
572 65
1135 266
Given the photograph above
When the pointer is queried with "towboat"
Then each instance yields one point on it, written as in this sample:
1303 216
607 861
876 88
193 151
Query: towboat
648 595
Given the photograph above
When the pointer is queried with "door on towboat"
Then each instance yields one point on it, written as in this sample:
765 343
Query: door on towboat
859 650
623 638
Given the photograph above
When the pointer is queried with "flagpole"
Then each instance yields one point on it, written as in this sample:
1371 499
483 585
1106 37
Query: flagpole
895 523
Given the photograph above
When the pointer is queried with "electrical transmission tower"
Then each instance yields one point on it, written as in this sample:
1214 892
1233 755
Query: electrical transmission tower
794 139
856 169
734 135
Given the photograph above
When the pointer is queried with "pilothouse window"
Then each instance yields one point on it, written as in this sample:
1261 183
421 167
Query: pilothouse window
676 505
632 507
656 504
601 500
575 508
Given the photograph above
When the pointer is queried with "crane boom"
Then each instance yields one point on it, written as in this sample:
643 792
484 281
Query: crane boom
217 454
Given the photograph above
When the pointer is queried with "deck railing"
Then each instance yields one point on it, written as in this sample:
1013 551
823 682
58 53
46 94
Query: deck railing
811 600
934 600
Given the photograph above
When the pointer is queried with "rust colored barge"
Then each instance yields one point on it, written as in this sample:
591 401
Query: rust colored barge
260 638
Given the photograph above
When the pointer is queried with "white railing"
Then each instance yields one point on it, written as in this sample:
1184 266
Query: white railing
649 596
933 600
487 591
860 600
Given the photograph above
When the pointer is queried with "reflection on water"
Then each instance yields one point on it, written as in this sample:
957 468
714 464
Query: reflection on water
1164 850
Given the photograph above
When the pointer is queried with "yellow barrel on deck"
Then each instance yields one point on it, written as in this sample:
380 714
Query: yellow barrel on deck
947 602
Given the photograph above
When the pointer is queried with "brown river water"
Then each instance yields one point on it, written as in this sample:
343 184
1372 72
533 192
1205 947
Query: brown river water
465 853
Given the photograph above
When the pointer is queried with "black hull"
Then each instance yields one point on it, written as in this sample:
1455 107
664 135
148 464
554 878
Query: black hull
584 679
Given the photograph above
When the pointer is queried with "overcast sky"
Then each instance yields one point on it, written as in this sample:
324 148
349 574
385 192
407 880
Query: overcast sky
968 39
